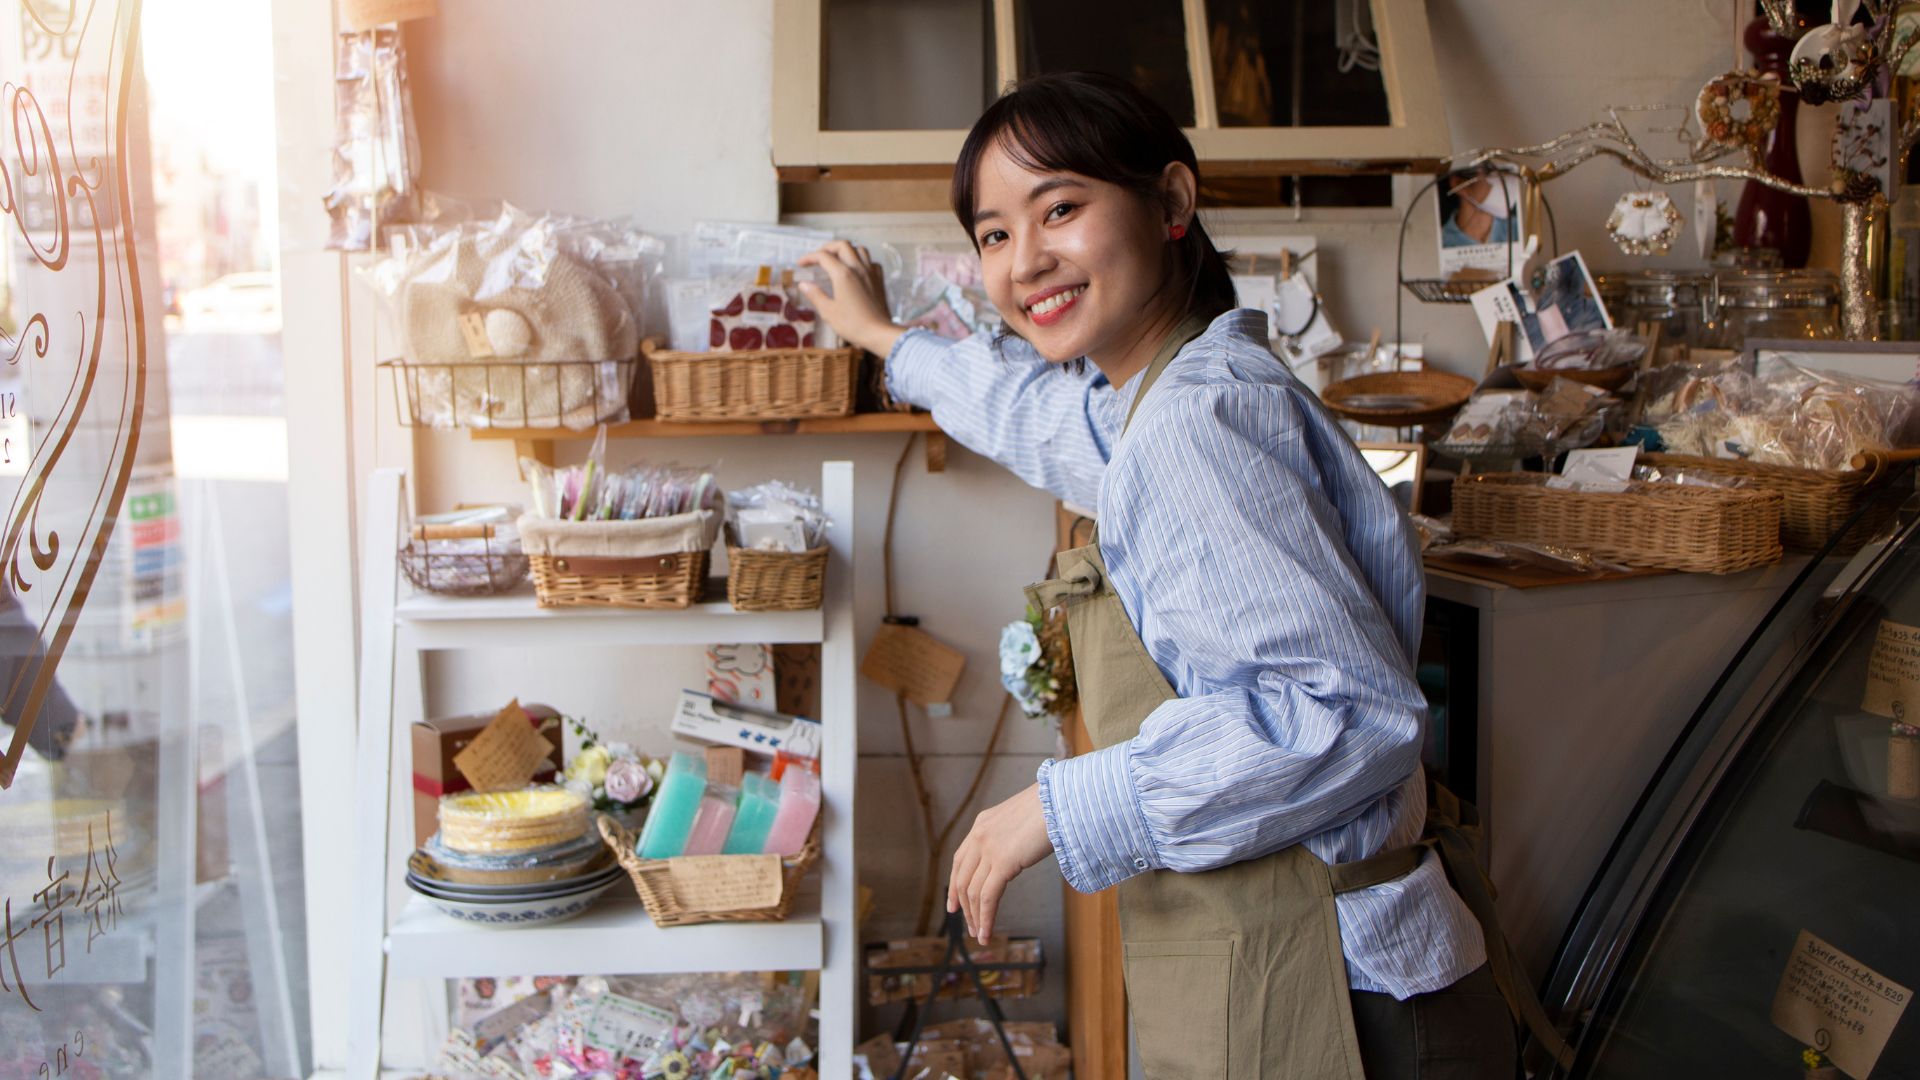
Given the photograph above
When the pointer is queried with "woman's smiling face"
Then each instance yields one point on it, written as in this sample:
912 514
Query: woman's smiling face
1075 265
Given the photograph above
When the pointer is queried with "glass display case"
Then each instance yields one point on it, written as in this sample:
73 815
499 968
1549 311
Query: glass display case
1761 901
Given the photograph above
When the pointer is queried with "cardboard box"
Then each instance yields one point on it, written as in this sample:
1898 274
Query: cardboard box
435 742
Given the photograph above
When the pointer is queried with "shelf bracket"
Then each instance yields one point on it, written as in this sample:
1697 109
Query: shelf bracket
936 451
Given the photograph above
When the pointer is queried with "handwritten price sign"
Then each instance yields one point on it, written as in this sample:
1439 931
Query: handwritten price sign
1837 1005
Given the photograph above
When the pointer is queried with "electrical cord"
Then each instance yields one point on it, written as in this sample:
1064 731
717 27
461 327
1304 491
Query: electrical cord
936 841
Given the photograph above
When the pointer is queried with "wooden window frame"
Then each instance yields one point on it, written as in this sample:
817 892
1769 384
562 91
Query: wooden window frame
1415 141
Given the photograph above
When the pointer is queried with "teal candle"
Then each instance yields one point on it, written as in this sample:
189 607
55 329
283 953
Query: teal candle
674 807
759 801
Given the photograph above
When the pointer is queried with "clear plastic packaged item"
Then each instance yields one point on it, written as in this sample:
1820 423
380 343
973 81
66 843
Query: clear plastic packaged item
953 311
1791 416
761 310
376 149
775 516
520 320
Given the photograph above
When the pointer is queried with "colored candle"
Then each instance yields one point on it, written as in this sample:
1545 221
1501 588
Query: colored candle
799 805
759 801
674 807
713 821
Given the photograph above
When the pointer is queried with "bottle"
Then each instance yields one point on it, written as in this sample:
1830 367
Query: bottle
1903 264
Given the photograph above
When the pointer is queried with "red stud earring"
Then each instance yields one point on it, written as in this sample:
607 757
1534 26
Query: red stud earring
1177 231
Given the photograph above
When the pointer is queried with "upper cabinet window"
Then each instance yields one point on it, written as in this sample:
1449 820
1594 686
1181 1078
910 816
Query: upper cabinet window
1270 87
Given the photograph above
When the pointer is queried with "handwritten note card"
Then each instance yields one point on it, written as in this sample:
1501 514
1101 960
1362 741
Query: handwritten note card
1837 1005
506 754
1893 672
726 882
910 661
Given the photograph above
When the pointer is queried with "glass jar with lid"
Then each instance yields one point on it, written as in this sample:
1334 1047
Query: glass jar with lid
1675 300
1787 304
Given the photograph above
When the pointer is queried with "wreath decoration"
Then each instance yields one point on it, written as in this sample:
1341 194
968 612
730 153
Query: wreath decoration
1715 109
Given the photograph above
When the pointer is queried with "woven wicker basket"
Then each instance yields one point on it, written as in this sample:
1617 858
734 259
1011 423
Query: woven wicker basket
1816 502
760 384
1668 526
776 580
650 563
1399 398
653 880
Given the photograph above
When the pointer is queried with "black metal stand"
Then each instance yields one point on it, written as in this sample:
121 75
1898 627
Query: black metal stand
956 933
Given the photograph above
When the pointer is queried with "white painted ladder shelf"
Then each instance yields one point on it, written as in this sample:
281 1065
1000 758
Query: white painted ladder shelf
398 626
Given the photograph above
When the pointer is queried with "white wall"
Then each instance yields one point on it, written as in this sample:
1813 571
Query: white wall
659 109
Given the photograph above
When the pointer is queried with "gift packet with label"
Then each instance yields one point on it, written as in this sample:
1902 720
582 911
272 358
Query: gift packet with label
760 310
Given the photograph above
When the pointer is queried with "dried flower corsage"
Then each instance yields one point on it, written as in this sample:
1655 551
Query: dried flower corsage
1036 666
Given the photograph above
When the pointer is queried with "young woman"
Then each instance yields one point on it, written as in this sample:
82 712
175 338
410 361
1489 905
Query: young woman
1242 625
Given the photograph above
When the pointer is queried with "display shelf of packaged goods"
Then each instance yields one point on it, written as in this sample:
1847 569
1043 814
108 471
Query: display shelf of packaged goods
516 619
614 937
411 953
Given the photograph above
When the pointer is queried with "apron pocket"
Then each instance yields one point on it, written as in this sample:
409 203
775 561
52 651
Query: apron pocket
1177 993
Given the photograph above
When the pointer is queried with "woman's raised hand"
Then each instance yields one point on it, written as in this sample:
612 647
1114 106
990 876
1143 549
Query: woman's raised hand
857 310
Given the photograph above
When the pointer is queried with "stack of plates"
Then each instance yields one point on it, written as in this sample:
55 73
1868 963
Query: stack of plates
516 904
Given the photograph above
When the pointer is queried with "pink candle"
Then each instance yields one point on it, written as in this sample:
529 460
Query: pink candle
799 805
712 822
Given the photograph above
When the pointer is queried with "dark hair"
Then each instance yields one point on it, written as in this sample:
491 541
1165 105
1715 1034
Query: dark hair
1101 127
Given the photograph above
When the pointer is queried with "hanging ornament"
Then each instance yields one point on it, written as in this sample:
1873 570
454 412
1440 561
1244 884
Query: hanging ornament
1759 99
1644 223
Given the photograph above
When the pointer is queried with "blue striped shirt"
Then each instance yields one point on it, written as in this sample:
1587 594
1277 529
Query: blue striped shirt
1278 587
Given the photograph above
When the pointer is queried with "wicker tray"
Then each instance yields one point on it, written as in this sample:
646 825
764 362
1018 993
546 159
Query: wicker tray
653 880
1816 502
776 580
1667 526
759 384
1399 398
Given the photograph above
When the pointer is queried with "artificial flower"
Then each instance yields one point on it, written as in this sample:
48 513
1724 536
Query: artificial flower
590 765
627 781
1019 648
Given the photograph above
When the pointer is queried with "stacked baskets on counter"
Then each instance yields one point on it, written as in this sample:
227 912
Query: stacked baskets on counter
513 858
1815 503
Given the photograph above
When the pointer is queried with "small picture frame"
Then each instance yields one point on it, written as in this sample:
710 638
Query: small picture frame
1402 466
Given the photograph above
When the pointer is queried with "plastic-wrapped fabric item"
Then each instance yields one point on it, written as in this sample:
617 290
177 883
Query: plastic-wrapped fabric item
954 312
1521 553
376 150
1592 350
1792 416
1683 475
519 320
758 309
720 255
592 492
776 511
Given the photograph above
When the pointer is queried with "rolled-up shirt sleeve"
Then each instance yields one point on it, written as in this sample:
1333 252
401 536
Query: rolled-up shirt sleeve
1302 709
1003 401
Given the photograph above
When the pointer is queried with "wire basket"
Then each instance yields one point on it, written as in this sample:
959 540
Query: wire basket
1444 291
462 560
574 394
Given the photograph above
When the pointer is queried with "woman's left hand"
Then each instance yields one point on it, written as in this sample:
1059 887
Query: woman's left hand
1005 840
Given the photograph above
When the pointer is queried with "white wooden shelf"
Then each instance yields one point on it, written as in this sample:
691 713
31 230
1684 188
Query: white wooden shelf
423 945
614 937
516 620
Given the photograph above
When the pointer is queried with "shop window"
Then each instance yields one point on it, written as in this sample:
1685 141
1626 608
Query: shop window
869 89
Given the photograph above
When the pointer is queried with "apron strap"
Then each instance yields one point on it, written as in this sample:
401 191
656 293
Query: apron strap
1191 327
1457 841
1377 869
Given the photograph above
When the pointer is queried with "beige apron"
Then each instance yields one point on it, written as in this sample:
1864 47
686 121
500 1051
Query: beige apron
1234 972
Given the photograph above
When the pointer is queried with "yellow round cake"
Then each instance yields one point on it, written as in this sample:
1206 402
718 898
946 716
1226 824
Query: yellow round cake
492 822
